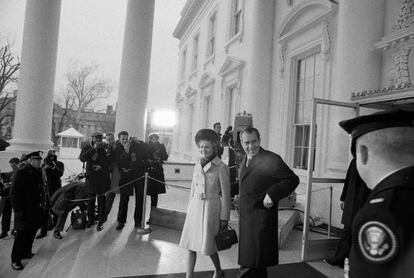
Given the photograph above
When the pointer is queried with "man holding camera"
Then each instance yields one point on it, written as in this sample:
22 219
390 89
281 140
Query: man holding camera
30 204
98 157
53 169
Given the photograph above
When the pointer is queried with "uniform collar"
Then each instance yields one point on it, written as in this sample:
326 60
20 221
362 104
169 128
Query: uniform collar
402 177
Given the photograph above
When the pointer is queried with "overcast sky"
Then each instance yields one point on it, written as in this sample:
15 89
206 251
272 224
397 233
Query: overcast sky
91 31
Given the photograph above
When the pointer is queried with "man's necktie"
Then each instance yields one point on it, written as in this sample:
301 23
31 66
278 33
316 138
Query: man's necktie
248 161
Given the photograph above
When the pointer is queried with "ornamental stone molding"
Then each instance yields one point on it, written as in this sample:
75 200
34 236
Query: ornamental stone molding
282 55
405 16
190 92
326 41
390 90
400 68
231 64
403 29
178 98
205 80
189 12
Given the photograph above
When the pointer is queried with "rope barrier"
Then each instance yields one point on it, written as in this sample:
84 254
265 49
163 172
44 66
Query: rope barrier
111 190
320 189
169 184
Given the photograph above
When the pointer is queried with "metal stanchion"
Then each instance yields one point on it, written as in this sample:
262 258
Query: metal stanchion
330 212
143 230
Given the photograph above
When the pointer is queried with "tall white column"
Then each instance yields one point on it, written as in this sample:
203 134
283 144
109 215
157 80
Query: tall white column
33 116
255 91
135 68
360 25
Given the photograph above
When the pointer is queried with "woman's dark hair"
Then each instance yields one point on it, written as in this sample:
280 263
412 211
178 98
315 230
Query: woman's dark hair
207 135
14 160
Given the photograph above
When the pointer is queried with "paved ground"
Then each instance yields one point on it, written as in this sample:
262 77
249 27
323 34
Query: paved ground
110 253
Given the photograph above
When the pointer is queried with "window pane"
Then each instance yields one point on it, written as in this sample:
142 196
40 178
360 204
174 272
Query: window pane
297 158
298 136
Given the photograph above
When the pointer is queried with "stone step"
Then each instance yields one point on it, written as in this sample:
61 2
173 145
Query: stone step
175 220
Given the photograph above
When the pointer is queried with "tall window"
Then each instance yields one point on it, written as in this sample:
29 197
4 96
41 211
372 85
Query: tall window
211 35
206 111
231 105
307 86
191 114
195 53
236 12
183 62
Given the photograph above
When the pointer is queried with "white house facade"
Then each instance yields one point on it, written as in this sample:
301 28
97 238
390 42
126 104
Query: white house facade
272 58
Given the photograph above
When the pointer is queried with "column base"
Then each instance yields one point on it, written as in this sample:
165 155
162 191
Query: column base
28 145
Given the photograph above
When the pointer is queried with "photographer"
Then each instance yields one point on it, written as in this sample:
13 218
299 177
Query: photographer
53 169
98 157
157 157
62 204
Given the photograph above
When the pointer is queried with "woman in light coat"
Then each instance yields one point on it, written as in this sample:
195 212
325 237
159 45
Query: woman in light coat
209 205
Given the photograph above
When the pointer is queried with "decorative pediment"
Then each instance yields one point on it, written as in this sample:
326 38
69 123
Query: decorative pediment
304 16
190 91
178 98
206 80
231 64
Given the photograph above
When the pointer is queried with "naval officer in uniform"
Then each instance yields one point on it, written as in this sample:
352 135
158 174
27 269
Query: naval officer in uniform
383 229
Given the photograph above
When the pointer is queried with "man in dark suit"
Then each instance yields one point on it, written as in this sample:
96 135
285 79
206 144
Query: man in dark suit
264 180
98 158
30 202
383 229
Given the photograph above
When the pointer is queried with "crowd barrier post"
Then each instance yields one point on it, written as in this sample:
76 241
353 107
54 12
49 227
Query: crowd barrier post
143 230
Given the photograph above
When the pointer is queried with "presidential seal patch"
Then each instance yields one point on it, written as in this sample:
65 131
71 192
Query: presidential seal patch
377 242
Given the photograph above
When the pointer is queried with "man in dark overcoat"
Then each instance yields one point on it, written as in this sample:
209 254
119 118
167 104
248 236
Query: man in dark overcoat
30 204
353 196
98 157
383 229
130 160
264 180
53 170
158 155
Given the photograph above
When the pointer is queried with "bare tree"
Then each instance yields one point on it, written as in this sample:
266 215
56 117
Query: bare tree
9 67
66 108
85 89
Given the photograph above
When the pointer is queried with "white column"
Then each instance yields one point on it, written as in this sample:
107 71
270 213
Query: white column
360 25
255 92
135 68
33 118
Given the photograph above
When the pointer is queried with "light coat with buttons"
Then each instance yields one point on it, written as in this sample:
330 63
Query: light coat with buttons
209 203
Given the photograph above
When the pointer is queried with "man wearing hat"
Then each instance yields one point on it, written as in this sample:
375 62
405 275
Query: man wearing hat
383 229
30 202
98 157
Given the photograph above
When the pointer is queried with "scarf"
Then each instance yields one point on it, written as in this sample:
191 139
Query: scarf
205 161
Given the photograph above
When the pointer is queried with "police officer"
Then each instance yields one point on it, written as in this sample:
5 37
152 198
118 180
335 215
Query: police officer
383 229
98 157
30 203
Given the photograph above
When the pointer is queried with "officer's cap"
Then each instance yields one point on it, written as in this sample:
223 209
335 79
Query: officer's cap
97 134
34 155
359 126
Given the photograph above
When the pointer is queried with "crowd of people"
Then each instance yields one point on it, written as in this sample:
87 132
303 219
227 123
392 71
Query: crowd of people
33 189
378 235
